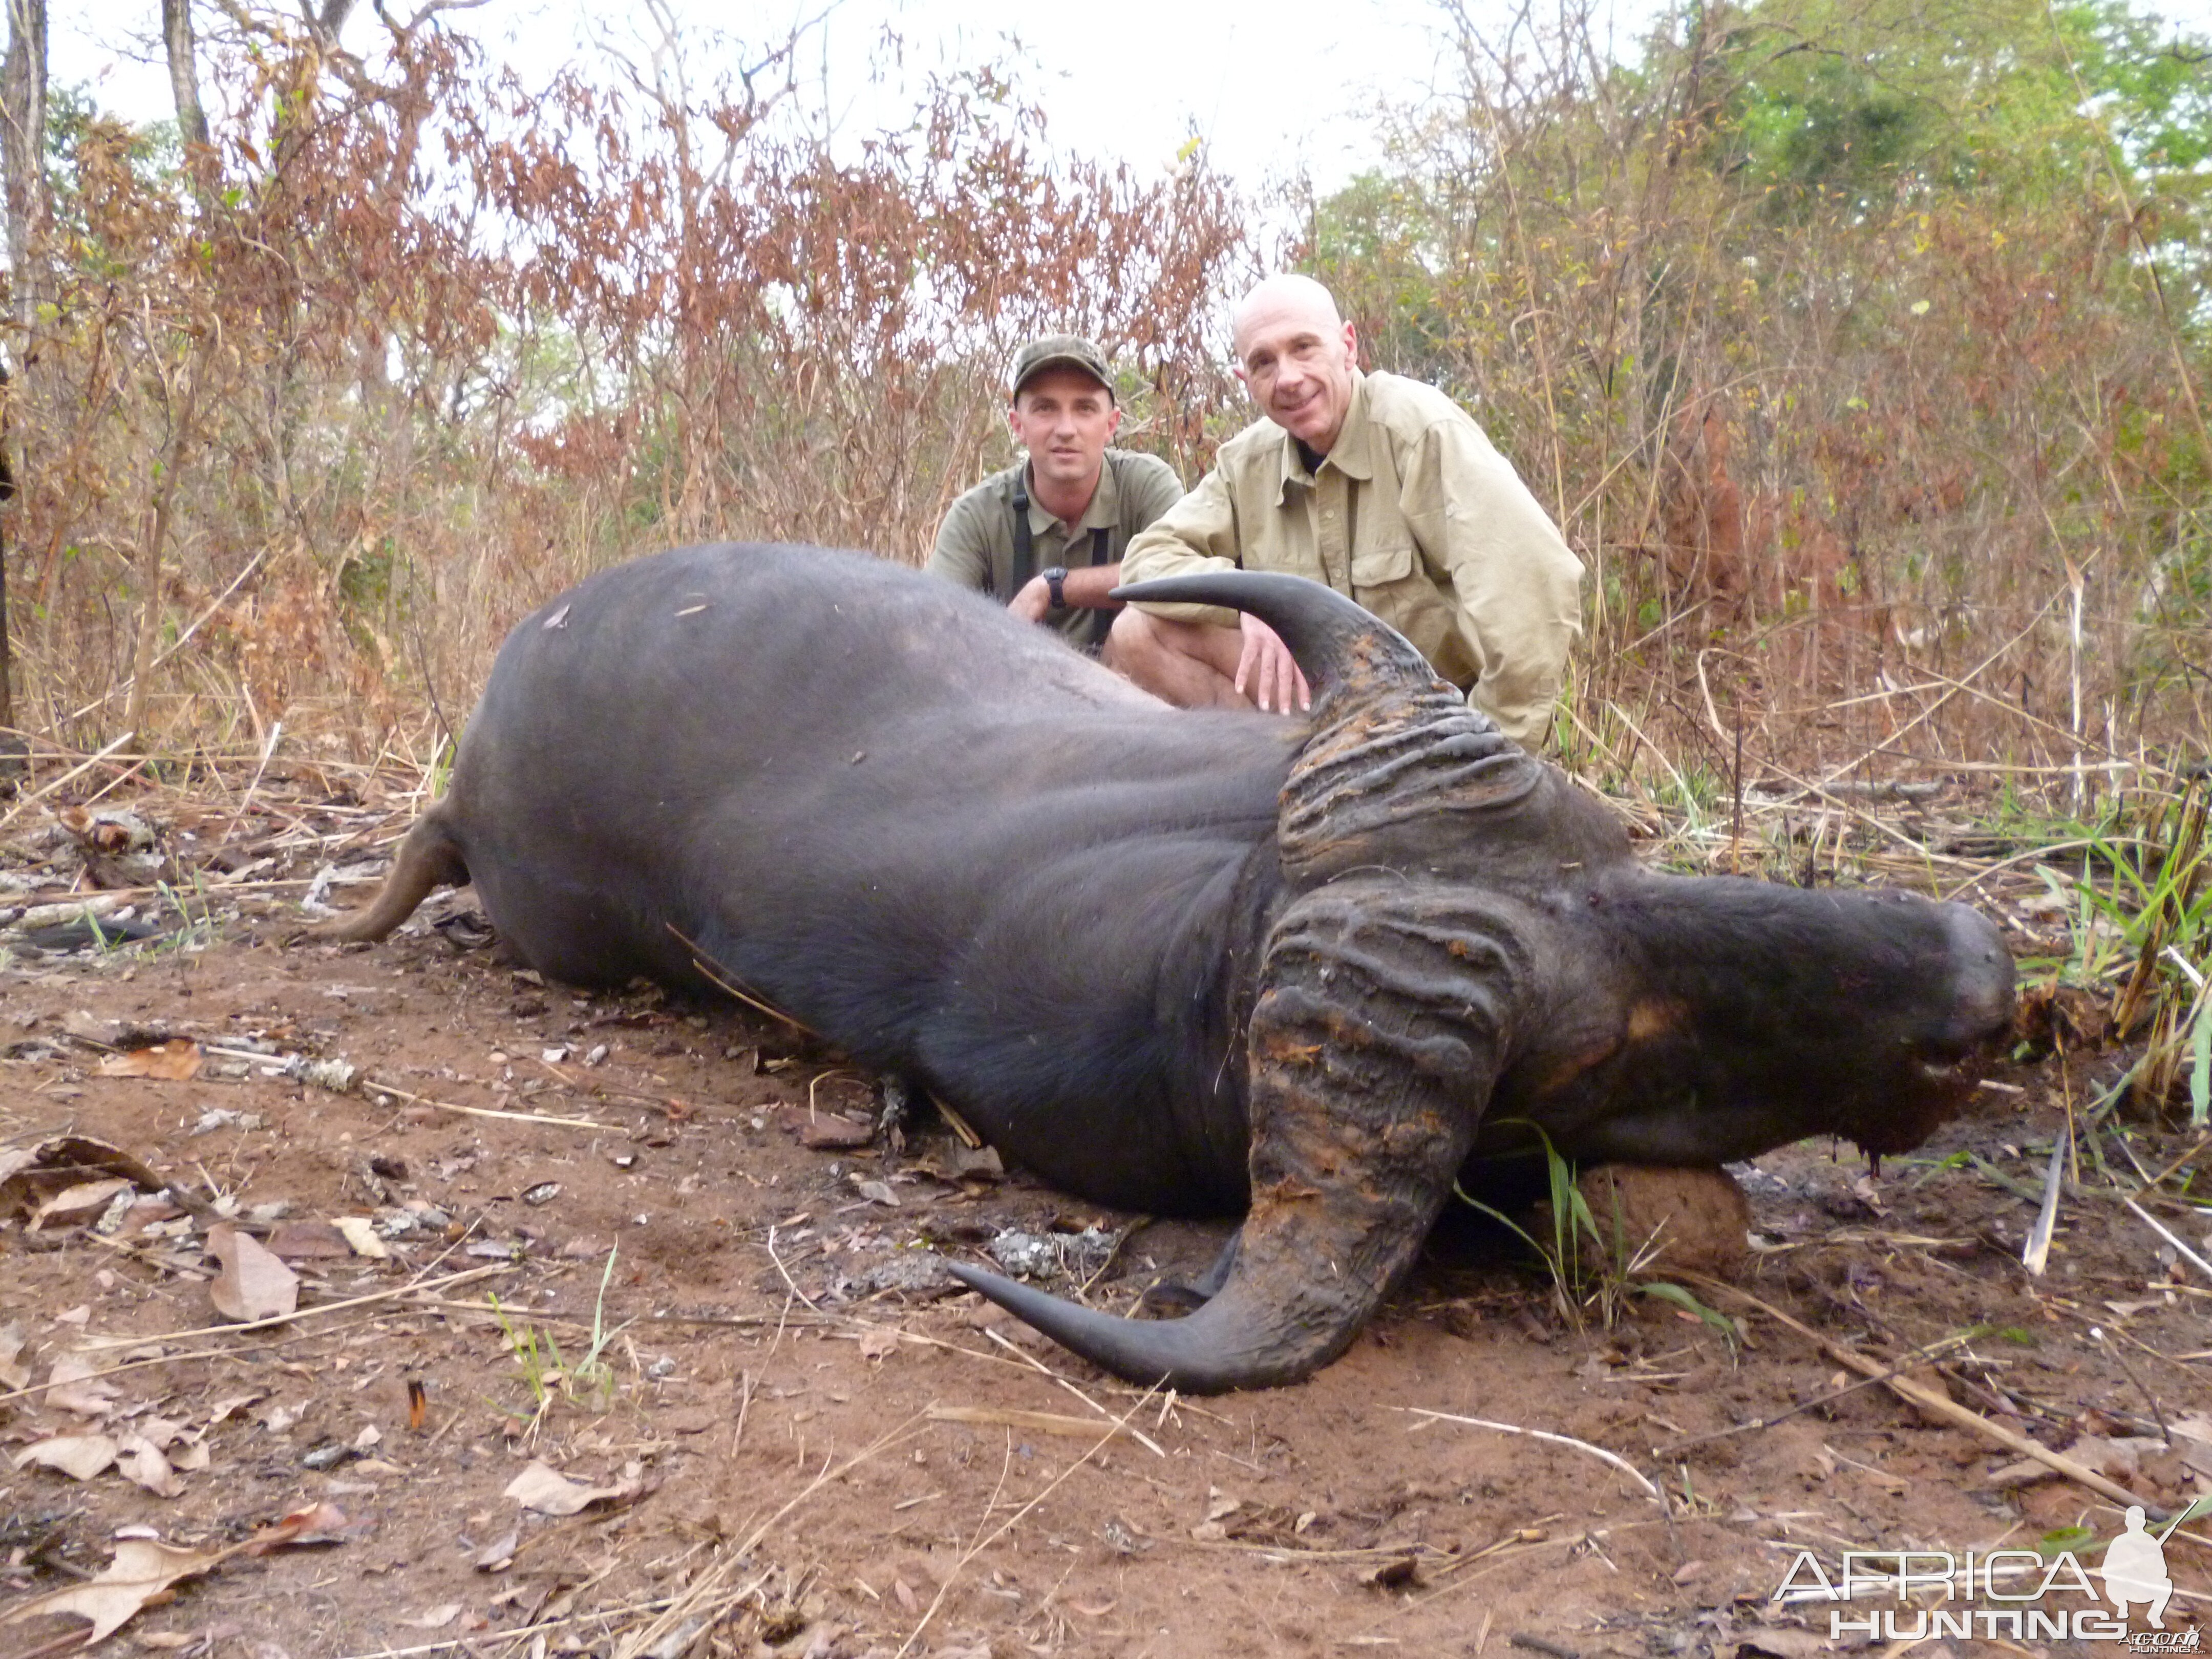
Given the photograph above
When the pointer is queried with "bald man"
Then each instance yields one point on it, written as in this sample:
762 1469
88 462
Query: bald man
1379 486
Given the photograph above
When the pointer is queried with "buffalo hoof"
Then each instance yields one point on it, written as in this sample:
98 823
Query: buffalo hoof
1672 1219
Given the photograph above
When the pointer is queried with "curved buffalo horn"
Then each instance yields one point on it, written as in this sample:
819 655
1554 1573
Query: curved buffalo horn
1339 646
1393 746
1374 1044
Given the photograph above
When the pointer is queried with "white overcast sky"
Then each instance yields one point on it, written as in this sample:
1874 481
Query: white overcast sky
1273 88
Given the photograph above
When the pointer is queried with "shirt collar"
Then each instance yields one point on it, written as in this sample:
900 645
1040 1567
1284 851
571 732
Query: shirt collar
1104 510
1352 454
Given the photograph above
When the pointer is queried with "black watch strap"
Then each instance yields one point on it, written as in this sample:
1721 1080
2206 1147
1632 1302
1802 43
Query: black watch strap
1054 579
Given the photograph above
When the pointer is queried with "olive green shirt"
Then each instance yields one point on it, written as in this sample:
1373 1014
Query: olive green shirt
975 543
1413 515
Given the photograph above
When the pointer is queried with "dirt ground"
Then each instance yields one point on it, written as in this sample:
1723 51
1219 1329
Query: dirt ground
613 1240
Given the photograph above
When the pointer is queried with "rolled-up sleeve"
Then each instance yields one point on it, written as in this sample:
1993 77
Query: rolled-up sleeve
1516 585
1198 533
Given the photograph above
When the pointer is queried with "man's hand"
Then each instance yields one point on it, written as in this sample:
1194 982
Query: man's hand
1265 671
1034 603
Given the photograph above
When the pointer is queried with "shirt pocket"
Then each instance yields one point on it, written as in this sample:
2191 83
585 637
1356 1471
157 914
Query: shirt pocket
1378 567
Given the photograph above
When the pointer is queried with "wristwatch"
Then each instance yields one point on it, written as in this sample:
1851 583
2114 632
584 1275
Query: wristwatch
1052 578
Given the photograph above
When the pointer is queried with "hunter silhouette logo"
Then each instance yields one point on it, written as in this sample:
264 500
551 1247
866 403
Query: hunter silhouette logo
2135 1570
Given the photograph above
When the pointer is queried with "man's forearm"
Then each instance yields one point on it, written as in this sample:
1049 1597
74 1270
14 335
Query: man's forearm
1086 588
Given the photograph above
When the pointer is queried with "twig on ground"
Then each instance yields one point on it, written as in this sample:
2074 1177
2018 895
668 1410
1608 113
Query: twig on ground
366 1082
1920 1356
516 1635
44 790
710 1586
1598 1452
1940 1404
2164 1232
393 1294
1051 1487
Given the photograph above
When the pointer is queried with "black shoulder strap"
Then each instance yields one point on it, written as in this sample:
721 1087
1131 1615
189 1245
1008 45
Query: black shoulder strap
1024 550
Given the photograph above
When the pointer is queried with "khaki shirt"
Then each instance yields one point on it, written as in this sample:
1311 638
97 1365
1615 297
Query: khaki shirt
1417 518
975 543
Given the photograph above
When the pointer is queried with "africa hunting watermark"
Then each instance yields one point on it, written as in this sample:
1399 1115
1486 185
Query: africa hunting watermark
2017 1595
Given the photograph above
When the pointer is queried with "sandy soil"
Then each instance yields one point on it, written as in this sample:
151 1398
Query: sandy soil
789 1435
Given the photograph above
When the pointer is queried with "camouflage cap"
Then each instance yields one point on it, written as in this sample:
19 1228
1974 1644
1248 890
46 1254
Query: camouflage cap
1060 351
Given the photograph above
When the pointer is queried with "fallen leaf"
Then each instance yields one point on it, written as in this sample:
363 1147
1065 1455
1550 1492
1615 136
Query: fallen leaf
829 1133
31 1175
77 1205
141 1464
317 1523
497 1556
302 1241
222 1409
876 1343
177 1061
13 1374
360 1235
141 1570
191 1457
72 1385
80 1456
1394 1574
253 1284
435 1618
540 1488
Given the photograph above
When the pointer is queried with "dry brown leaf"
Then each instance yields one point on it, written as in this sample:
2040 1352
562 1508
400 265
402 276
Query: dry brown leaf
435 1618
140 1462
80 1456
141 1570
317 1523
177 1061
253 1284
832 1134
498 1555
31 1175
299 1241
72 1386
876 1343
77 1205
540 1488
14 1373
360 1237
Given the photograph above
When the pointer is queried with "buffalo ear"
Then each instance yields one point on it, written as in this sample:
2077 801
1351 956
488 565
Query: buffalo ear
1391 744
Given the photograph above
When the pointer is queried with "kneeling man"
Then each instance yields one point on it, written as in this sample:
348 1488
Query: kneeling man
1379 486
1046 535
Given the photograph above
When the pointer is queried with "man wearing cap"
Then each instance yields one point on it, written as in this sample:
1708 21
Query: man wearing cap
1379 486
1046 536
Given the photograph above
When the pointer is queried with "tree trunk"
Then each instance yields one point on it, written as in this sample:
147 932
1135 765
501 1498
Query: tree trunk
23 145
185 84
184 410
12 746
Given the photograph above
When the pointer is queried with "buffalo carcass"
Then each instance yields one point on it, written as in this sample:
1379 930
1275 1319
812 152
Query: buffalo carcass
1175 961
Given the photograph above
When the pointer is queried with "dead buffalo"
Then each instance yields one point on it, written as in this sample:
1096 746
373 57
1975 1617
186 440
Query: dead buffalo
1183 963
